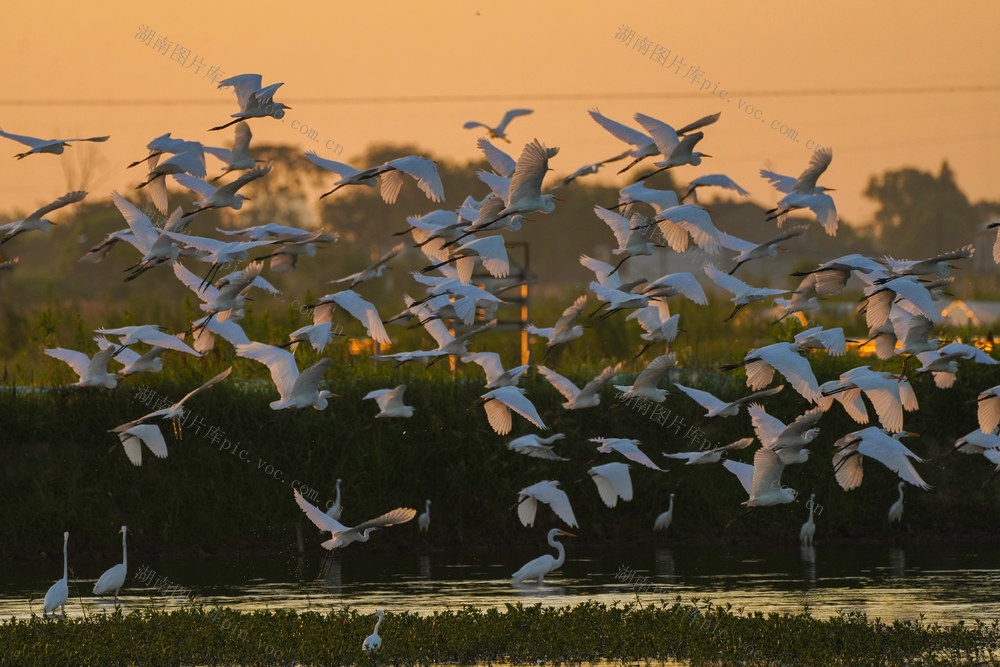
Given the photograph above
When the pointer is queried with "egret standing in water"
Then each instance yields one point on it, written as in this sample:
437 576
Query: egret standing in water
537 569
114 578
896 511
58 593
424 520
663 521
808 529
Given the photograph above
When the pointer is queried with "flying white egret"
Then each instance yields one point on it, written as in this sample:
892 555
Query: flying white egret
706 456
762 480
373 642
896 510
337 508
187 162
644 385
255 99
136 432
688 223
616 299
715 407
940 265
58 593
424 520
224 197
537 568
663 521
715 181
221 304
750 251
238 157
802 192
889 395
660 326
536 447
93 371
818 338
786 358
361 310
499 403
988 410
660 200
156 247
879 445
317 335
565 328
388 176
943 362
808 529
642 144
296 390
490 250
53 146
150 334
675 145
133 362
500 131
548 492
526 183
628 448
167 144
390 402
496 376
217 253
448 344
577 398
343 535
36 221
631 238
832 276
373 270
789 441
501 163
613 481
114 578
907 291
743 294
677 284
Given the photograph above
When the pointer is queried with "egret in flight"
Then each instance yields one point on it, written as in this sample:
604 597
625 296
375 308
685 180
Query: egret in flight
500 131
53 146
343 535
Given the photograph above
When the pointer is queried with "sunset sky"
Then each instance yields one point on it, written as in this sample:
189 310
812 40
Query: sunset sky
885 86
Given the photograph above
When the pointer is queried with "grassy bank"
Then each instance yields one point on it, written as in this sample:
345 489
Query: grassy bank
666 630
62 470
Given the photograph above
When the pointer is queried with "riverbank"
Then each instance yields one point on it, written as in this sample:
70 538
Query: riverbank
668 630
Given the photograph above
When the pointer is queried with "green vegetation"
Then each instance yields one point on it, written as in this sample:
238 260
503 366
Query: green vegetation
701 632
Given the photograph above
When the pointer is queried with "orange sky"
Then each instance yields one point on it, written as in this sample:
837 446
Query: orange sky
328 54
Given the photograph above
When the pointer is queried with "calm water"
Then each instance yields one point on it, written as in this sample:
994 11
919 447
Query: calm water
945 583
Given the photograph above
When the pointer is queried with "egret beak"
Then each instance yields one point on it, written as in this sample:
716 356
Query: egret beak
561 532
245 198
705 155
831 190
559 198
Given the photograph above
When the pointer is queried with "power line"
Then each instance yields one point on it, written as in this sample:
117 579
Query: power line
541 97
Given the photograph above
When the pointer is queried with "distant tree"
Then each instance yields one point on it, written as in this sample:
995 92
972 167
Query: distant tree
920 214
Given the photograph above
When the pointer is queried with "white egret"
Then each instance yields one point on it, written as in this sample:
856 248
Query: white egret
802 192
114 578
373 642
655 319
156 247
361 310
749 251
644 385
808 529
424 520
687 223
762 480
224 197
879 445
789 441
677 146
58 593
940 265
715 181
496 376
565 328
715 407
390 402
343 535
498 404
577 398
706 456
296 390
677 284
660 200
832 276
613 481
52 146
786 358
337 508
818 338
500 131
317 335
889 395
167 144
501 163
93 371
133 362
896 510
388 175
150 334
988 410
187 162
943 363
539 567
221 304
255 99
536 447
628 448
743 294
629 234
526 183
238 157
36 220
664 520
373 270
908 291
548 492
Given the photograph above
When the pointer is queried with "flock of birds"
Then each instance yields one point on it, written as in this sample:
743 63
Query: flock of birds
900 312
